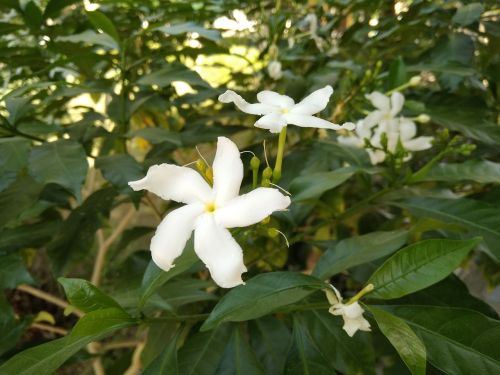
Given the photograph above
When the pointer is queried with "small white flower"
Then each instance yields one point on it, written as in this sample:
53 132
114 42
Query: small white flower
279 110
383 120
274 70
209 211
352 313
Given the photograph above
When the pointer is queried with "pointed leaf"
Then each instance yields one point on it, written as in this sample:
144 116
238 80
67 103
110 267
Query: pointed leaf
166 362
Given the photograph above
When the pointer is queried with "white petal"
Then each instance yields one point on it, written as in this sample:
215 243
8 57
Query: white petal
274 99
333 295
314 102
307 121
228 170
418 144
397 102
353 310
172 234
351 326
179 184
407 129
351 141
372 119
364 325
379 101
254 109
273 122
376 156
251 208
219 251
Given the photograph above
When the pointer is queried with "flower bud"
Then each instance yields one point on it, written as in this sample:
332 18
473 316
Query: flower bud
267 173
423 118
415 80
266 182
272 232
255 162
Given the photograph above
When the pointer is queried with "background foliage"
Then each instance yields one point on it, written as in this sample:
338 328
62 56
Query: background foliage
92 98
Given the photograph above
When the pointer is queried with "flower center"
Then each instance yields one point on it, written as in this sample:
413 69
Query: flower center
210 207
284 110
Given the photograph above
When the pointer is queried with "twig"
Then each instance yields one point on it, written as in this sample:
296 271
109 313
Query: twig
49 328
104 247
119 345
135 366
48 297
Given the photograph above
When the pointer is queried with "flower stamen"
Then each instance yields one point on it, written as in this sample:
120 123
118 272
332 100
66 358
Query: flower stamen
210 207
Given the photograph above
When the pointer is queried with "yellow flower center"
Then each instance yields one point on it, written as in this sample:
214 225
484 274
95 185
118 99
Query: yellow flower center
210 207
284 110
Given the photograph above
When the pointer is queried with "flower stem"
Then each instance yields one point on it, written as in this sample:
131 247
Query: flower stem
279 156
367 289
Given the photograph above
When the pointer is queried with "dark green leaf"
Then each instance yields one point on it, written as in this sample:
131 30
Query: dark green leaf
313 185
13 271
467 14
13 157
482 171
418 266
90 37
474 216
85 296
46 358
261 295
166 362
201 354
63 162
18 198
397 74
458 341
174 72
11 327
102 23
119 169
358 250
405 341
157 135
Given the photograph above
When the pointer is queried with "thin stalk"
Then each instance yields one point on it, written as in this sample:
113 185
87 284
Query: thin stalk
279 157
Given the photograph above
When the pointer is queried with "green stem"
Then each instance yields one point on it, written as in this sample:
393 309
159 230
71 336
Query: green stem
367 289
279 156
255 177
422 172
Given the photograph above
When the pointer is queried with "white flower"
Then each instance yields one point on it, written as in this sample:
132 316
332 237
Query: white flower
208 211
352 313
280 110
274 70
383 120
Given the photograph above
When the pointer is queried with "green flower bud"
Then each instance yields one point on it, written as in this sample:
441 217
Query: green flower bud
415 80
255 162
423 118
267 173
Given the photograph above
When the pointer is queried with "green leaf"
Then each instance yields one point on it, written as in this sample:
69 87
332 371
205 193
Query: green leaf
201 354
154 277
173 72
13 271
458 341
157 135
262 295
418 266
85 296
102 23
63 162
11 327
314 185
405 341
13 157
467 14
18 198
305 356
477 218
397 74
191 27
270 339
482 171
18 108
54 7
48 357
90 37
119 169
32 15
166 362
358 250
239 358
76 234
349 355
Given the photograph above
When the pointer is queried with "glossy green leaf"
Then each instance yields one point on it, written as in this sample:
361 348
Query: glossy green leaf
102 23
202 353
358 250
405 341
90 37
482 171
239 357
85 296
458 341
314 185
418 266
46 358
305 356
174 72
119 169
13 271
476 218
166 362
262 295
270 339
397 74
157 135
63 162
154 277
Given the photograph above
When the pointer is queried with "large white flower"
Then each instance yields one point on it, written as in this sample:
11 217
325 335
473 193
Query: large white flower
209 211
279 110
383 120
352 313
